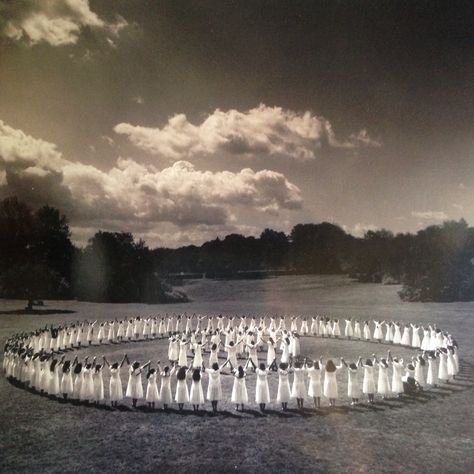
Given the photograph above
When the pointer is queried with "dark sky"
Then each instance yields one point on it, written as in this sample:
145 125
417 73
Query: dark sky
183 120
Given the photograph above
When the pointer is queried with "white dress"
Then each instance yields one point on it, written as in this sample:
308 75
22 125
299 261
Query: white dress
383 384
67 385
182 393
298 389
262 392
420 374
115 386
397 375
165 392
353 385
314 389
152 394
98 385
443 367
196 396
432 377
330 384
357 330
134 386
214 388
239 390
283 393
405 337
368 384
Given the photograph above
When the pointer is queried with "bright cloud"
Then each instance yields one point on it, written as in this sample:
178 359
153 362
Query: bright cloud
133 195
56 22
430 215
256 132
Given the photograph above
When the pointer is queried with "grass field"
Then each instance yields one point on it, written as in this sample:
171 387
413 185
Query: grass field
433 432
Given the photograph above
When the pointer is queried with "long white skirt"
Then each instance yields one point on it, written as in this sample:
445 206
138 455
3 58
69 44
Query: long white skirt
197 395
182 393
239 391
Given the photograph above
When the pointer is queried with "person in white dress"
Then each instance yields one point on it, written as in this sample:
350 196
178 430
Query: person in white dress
353 385
330 382
135 385
348 329
67 385
298 389
443 365
182 392
166 396
283 392
314 387
196 396
98 380
214 387
152 394
115 383
239 394
383 384
432 376
368 383
420 365
397 374
262 391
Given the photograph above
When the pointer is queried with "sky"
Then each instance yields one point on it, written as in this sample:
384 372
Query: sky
181 121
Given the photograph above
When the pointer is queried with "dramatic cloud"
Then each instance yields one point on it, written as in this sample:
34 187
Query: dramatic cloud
132 194
56 22
430 215
256 132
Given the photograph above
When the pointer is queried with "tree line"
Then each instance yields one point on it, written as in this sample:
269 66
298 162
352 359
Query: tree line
39 261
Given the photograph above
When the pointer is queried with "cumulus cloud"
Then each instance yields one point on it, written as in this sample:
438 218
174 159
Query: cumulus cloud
133 194
56 22
257 132
430 215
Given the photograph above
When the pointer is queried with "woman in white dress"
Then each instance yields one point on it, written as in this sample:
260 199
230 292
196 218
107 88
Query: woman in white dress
183 355
397 374
415 337
443 365
378 334
298 389
389 332
152 394
353 385
330 382
367 334
336 328
432 377
368 384
262 391
314 388
98 381
406 336
214 387
283 392
383 384
166 396
196 397
239 390
420 364
115 383
425 342
348 329
357 329
182 393
67 384
135 385
397 335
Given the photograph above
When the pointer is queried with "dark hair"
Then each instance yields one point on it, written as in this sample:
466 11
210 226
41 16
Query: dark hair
197 375
214 347
241 372
66 366
53 365
78 368
369 362
150 372
421 361
215 366
181 375
330 367
261 366
283 366
384 362
316 365
297 364
353 366
166 369
135 365
231 343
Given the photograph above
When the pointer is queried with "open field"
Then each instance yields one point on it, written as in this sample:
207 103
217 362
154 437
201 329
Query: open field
433 432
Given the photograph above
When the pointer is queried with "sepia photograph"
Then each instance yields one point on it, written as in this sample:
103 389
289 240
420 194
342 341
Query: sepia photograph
237 236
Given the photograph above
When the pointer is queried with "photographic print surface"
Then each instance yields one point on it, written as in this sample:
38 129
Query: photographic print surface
236 236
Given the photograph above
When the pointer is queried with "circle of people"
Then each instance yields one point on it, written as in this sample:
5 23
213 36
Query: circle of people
33 360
